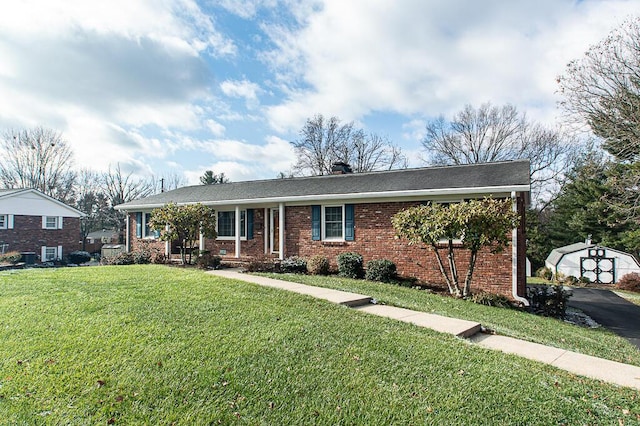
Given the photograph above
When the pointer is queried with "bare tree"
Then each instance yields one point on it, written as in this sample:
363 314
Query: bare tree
602 89
323 142
168 181
92 202
120 188
37 158
490 133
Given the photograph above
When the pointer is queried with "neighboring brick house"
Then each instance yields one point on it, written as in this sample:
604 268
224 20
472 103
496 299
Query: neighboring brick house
31 221
329 215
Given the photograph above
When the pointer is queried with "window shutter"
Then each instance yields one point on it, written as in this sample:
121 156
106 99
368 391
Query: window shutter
249 224
59 252
349 222
316 219
43 254
44 222
10 221
59 222
139 224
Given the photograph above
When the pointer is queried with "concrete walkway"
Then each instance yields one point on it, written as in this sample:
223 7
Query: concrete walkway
584 365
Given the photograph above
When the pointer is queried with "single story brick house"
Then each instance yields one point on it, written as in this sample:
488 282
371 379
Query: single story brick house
329 215
31 221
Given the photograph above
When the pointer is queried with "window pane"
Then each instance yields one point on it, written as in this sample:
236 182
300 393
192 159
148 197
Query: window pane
226 224
333 222
3 221
51 222
243 224
147 219
51 253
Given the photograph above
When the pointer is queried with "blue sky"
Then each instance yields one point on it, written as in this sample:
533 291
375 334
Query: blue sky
181 86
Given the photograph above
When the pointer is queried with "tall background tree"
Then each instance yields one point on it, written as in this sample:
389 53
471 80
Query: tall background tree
210 178
491 133
119 188
38 158
602 90
324 141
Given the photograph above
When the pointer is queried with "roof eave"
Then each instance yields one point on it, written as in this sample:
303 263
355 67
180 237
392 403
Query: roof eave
490 190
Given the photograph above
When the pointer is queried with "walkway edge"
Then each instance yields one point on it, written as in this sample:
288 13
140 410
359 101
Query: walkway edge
573 362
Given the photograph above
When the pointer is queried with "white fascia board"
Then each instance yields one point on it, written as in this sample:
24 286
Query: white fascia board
360 196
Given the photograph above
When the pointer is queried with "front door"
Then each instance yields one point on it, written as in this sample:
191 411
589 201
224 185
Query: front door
274 226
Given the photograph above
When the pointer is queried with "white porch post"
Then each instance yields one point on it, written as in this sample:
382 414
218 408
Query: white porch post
201 242
281 231
167 245
127 243
265 236
237 231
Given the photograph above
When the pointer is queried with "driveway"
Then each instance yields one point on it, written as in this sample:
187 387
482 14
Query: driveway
609 310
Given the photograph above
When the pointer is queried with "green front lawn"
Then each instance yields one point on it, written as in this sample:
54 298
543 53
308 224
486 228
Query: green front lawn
161 345
596 342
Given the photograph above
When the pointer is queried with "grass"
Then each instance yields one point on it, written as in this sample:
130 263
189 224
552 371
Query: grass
597 342
159 345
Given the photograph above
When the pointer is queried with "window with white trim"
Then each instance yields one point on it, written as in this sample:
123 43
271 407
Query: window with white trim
51 222
49 254
4 221
333 222
147 231
226 224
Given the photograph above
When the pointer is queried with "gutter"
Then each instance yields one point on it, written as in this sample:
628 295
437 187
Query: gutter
514 256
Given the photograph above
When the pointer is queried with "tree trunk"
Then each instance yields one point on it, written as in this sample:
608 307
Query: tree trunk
443 270
454 270
467 280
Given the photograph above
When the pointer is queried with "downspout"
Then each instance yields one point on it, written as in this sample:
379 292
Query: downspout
514 256
127 243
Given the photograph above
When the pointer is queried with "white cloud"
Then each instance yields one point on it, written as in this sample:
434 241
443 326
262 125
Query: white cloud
216 128
242 89
431 57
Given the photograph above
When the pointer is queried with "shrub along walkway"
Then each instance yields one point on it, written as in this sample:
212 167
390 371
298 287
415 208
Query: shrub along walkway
585 365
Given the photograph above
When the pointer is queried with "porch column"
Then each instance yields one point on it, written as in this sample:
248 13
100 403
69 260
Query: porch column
201 242
281 231
237 231
167 245
126 235
265 235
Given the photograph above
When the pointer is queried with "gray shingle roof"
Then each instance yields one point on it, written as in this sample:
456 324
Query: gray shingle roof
476 178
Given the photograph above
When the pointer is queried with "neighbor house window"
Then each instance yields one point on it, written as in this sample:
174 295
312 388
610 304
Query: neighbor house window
226 224
51 253
51 222
4 221
333 222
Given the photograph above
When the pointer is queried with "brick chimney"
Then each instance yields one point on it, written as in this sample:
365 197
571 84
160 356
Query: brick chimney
340 168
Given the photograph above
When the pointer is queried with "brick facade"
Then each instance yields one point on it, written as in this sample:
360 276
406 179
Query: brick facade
375 239
28 235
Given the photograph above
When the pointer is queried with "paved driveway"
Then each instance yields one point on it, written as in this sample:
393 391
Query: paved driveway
609 310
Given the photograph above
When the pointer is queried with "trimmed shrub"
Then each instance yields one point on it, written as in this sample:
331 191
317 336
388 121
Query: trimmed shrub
293 264
141 257
264 264
318 265
79 257
160 259
630 282
490 299
544 273
350 265
548 301
206 260
10 257
381 270
123 258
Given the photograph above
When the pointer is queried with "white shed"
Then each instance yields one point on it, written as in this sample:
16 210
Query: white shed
600 264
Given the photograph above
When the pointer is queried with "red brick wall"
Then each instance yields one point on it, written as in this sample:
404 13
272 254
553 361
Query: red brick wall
27 235
375 239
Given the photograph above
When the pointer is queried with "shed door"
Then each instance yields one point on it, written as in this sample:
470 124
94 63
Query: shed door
598 268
